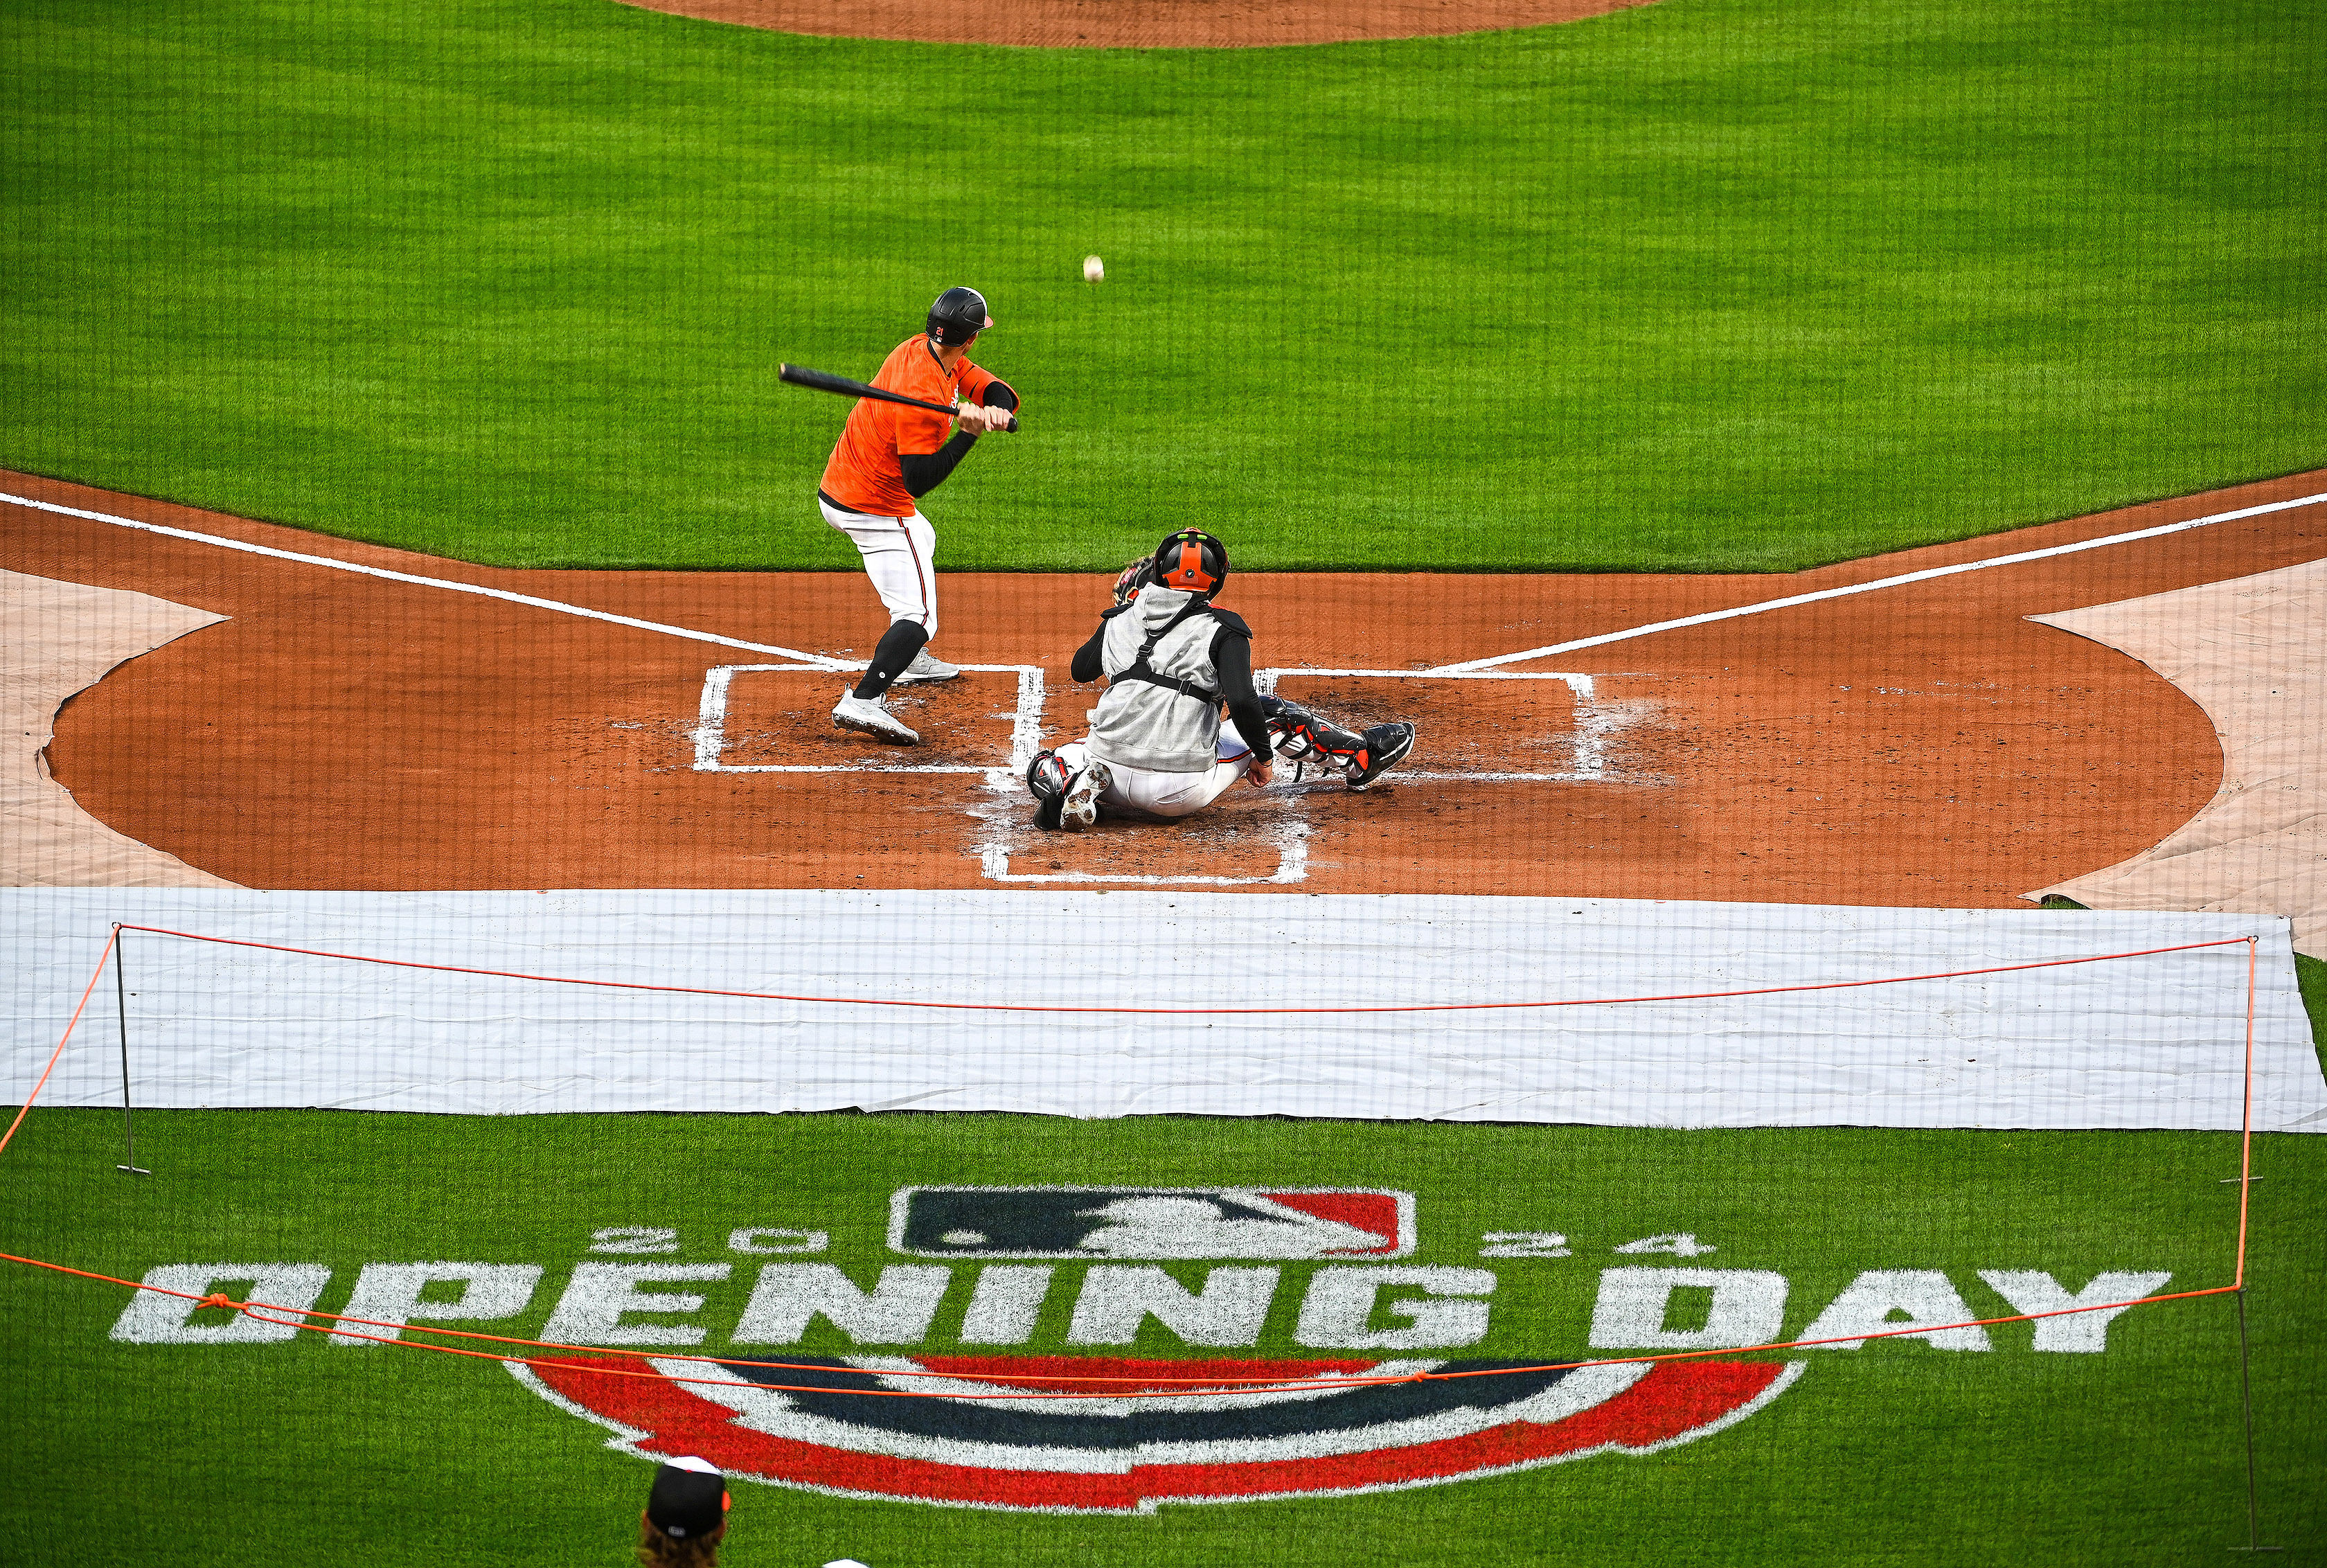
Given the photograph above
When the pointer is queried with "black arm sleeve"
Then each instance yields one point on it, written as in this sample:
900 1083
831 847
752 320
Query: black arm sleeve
1232 657
925 471
1087 666
1000 393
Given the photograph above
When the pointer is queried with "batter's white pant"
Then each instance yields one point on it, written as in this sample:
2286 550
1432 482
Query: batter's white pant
899 553
1167 794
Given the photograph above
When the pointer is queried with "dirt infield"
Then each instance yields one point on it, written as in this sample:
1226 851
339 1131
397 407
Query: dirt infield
1917 745
1145 24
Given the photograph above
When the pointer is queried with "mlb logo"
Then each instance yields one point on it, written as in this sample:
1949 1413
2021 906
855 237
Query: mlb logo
1152 1222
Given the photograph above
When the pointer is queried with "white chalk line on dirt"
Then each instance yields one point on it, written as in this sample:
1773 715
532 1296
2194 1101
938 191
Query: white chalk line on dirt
1025 728
1595 726
1290 839
1293 866
1596 723
710 735
1901 581
815 660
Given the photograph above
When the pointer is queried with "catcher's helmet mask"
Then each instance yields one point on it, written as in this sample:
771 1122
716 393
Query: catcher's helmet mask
1191 561
958 316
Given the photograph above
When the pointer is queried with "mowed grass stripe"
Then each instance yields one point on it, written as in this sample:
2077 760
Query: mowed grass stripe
1893 1453
1711 284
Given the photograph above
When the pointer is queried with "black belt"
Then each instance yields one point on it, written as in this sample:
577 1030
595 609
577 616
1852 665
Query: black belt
852 511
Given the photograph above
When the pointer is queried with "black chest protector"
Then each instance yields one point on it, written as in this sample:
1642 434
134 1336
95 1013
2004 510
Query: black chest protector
1140 669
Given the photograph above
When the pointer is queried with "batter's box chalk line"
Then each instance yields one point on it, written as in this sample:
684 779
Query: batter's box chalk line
711 726
1596 723
1006 810
1002 798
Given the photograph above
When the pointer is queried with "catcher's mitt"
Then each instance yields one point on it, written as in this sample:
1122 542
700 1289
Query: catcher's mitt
1138 575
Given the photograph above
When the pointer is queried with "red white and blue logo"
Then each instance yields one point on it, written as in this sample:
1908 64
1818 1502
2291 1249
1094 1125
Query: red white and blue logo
1152 1222
819 1429
993 1431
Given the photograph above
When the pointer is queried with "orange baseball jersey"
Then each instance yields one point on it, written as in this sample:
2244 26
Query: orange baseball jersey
863 475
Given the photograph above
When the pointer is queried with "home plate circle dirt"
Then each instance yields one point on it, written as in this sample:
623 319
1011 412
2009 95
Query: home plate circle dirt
1916 745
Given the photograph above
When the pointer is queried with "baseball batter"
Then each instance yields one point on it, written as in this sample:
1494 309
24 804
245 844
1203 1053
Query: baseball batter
1171 659
888 457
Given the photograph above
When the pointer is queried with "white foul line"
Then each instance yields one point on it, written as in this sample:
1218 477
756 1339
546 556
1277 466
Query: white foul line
1922 576
817 660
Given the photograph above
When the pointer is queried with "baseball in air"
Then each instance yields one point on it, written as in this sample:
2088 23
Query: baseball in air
1094 269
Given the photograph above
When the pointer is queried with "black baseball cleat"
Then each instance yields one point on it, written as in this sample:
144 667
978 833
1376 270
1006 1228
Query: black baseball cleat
1385 746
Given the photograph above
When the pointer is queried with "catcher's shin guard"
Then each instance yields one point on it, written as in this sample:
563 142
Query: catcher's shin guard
1301 737
1294 732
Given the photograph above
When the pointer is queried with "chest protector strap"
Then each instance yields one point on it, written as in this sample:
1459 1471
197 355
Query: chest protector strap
1139 668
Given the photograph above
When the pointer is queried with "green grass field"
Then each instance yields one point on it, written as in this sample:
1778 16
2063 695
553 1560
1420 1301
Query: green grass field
1895 1454
1705 285
1711 284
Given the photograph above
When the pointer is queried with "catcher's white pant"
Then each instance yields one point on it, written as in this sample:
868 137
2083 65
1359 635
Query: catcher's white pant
899 556
1167 794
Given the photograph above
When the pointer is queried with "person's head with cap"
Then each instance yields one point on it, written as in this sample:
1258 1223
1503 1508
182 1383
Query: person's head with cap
686 1514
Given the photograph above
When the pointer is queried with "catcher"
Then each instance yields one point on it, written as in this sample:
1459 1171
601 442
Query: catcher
1172 659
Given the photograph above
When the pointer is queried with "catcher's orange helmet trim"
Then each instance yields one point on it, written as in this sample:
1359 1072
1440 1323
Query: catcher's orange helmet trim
1180 562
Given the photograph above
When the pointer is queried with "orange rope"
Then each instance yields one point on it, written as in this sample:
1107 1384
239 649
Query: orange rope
86 991
1206 1386
1200 1012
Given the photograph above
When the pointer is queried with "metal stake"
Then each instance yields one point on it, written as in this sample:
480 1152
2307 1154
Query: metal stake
2245 1381
121 1013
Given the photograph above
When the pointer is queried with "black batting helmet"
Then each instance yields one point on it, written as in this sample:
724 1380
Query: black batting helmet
1193 561
958 316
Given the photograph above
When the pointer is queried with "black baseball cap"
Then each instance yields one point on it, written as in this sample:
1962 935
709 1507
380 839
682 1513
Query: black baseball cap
689 1499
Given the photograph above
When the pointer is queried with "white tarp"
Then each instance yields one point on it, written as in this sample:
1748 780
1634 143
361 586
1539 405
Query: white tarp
2140 1042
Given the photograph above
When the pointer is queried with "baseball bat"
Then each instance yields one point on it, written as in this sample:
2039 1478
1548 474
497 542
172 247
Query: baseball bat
826 381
